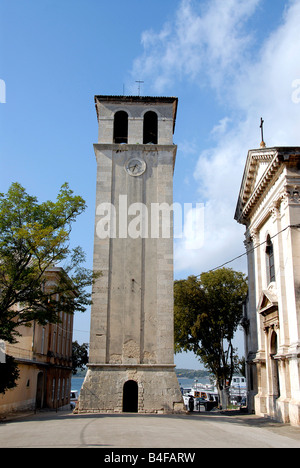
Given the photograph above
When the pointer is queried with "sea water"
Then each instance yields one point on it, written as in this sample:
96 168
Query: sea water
184 383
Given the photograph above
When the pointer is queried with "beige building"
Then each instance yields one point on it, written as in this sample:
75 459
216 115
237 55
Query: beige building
269 207
44 358
131 367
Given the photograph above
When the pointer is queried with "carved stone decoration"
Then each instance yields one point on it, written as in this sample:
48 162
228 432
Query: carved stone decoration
275 211
285 197
268 308
290 195
254 236
248 242
296 194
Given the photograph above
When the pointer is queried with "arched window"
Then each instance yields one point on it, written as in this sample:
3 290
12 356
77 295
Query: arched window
270 261
150 128
121 127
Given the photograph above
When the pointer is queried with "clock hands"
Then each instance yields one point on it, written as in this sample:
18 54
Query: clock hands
133 168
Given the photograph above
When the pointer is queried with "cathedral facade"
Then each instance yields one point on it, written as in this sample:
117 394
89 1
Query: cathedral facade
269 207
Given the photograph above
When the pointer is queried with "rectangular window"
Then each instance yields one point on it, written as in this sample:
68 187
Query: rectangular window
54 342
53 389
43 340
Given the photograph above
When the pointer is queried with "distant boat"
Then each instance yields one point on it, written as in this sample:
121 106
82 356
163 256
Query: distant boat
207 395
202 396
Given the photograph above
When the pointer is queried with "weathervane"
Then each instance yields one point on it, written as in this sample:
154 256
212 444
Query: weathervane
263 144
139 88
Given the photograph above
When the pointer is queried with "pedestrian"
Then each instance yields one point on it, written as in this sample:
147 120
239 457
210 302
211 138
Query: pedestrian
191 404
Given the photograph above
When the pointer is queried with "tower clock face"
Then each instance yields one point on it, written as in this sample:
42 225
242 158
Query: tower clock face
135 167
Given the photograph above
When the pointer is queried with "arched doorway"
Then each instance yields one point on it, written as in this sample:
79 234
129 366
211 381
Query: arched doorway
274 364
130 397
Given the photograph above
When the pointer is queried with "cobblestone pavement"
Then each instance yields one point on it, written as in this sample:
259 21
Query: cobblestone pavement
204 430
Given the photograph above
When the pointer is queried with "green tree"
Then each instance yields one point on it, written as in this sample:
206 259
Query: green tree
242 366
9 374
35 237
208 311
80 356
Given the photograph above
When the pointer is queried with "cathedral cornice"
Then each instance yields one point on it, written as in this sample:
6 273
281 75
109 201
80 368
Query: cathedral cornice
253 187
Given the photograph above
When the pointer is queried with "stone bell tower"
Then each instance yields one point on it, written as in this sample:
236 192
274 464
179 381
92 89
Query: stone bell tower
131 365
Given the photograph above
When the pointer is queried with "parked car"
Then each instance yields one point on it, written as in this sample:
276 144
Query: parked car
73 398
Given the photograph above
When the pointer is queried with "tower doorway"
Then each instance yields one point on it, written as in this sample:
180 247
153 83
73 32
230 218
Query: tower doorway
130 397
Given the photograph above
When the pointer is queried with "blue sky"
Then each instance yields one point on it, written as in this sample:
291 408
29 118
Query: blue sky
230 62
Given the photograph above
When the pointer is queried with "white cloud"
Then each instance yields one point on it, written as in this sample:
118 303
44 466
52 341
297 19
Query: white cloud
221 127
202 40
214 43
266 87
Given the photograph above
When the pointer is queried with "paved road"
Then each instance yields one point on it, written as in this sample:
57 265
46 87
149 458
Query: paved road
211 430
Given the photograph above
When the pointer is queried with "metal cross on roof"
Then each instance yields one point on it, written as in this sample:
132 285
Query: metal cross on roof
263 145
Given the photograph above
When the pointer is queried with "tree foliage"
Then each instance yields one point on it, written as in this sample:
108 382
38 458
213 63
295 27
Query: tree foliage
80 356
9 374
35 237
208 311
